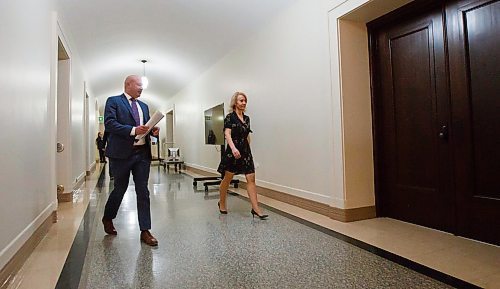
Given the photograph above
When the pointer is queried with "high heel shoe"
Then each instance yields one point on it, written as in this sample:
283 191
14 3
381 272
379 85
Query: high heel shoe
254 213
221 211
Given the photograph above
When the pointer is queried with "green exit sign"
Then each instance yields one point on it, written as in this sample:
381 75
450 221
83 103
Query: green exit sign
101 119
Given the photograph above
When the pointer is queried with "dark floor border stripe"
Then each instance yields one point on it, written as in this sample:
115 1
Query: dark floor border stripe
72 270
434 274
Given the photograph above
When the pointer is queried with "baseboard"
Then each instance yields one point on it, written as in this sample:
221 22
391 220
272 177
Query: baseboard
309 205
339 214
79 181
201 172
355 214
65 197
68 196
19 258
91 170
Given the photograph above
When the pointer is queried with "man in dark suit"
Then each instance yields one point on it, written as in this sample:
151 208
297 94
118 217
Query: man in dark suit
124 119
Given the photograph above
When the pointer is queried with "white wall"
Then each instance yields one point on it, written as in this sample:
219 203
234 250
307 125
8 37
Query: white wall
285 71
91 131
27 193
77 120
307 78
78 87
28 57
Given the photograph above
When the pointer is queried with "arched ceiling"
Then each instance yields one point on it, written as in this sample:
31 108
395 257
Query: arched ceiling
179 38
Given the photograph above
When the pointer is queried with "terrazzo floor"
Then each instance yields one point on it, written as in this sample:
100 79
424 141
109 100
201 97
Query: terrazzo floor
199 248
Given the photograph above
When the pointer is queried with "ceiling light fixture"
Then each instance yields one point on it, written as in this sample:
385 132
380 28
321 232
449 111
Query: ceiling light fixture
145 81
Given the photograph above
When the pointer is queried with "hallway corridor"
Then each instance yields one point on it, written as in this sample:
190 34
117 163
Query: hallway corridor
199 248
378 167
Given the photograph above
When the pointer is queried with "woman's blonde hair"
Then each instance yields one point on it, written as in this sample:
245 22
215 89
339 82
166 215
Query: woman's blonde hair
232 104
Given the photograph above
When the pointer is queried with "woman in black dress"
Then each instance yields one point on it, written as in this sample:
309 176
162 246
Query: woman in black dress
237 158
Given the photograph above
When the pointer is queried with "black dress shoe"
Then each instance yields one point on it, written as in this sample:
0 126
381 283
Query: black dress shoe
108 226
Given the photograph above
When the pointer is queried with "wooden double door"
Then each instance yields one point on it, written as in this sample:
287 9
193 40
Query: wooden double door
436 107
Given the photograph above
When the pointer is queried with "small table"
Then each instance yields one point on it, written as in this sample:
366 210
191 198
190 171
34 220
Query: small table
166 164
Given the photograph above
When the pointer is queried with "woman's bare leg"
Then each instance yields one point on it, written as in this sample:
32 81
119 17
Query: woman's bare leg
224 185
252 192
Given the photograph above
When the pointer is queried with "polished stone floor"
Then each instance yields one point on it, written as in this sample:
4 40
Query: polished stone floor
199 248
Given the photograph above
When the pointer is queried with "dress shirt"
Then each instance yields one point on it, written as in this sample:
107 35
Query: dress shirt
141 118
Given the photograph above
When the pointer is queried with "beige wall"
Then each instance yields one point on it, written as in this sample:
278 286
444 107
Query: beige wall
356 115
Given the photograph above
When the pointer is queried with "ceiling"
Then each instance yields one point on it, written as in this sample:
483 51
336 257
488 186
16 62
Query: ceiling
179 38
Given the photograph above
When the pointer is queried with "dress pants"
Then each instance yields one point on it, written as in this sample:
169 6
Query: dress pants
139 164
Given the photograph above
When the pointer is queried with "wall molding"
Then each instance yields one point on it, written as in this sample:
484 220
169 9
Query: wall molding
268 185
202 170
339 214
18 251
67 196
198 170
91 170
79 181
296 192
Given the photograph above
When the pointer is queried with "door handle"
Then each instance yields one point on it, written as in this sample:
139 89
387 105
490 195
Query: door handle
60 147
443 132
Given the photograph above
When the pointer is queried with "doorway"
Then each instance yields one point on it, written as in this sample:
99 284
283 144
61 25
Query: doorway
86 130
435 73
169 132
63 123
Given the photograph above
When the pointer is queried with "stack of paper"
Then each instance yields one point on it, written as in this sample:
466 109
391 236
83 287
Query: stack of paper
155 118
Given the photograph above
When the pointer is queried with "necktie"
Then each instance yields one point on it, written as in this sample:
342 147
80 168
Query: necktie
135 112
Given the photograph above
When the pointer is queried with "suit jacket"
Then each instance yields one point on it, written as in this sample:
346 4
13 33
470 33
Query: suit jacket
119 121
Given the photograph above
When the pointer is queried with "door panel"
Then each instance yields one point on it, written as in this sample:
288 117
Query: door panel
474 41
423 90
411 107
412 88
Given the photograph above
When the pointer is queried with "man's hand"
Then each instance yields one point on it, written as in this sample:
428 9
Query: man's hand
155 131
142 129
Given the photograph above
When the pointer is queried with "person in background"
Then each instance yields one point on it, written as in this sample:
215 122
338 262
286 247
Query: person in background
237 158
101 147
124 119
211 138
105 138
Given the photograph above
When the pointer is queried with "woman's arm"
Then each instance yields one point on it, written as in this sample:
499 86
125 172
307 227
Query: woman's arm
227 134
